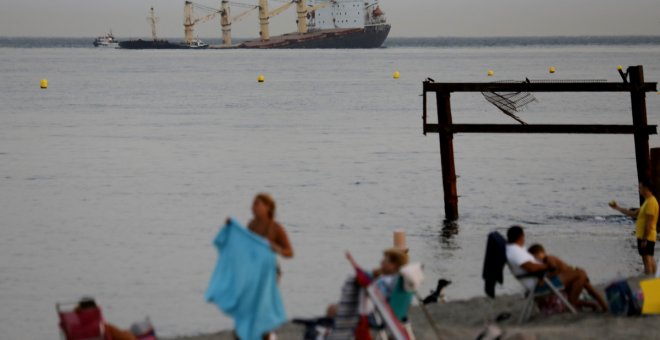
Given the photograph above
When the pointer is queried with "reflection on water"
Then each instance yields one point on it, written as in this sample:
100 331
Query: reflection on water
448 230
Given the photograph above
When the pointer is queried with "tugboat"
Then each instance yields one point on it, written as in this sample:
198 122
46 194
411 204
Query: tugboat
107 40
196 44
155 43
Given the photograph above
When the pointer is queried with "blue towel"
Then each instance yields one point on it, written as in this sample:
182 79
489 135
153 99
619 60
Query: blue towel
244 283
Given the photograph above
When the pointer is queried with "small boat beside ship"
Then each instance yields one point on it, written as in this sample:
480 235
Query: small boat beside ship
107 40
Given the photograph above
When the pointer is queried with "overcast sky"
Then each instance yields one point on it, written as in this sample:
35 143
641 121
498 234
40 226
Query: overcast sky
73 18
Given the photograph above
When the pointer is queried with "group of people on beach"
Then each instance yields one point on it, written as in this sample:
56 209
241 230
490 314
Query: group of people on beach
526 264
385 277
523 262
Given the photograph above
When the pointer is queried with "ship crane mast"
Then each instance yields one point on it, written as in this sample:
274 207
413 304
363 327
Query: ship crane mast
189 21
301 10
226 19
152 19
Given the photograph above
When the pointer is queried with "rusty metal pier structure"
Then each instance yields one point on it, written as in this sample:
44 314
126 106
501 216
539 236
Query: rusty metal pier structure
633 82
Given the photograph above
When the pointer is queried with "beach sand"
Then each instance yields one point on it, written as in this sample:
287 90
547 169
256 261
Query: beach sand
466 319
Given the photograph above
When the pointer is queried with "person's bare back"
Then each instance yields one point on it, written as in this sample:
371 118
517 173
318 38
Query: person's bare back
557 265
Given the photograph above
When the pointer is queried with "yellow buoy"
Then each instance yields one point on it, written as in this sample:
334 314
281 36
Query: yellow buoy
261 78
552 69
44 83
396 75
491 73
620 68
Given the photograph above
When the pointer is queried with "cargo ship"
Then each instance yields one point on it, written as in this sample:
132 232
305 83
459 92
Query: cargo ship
156 43
320 24
330 24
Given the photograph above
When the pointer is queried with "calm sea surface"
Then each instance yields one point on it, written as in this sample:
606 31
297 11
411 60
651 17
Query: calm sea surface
114 180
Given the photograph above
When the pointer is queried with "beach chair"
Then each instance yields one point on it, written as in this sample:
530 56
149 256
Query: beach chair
87 324
350 313
494 263
545 290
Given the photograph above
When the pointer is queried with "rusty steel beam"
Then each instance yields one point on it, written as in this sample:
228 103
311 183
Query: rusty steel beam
447 158
644 130
638 102
540 87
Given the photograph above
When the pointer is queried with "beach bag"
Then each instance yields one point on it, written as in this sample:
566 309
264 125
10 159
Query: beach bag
144 330
551 304
621 300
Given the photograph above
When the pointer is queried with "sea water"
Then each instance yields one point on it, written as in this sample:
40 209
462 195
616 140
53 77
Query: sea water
115 180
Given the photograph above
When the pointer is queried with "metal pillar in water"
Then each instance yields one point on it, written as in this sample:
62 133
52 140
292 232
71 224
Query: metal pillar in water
447 157
638 101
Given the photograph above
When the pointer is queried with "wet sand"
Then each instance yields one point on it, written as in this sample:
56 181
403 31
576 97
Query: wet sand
466 319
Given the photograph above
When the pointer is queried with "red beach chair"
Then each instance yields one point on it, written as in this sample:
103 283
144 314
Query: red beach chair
86 324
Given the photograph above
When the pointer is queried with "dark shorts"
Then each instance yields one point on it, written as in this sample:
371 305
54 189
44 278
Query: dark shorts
648 250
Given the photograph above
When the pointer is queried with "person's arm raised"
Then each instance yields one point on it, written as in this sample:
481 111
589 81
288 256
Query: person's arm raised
628 212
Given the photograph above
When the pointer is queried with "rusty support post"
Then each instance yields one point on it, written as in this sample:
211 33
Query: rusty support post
424 112
655 170
447 157
638 101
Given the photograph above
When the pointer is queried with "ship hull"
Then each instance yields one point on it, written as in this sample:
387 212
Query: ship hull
367 37
156 45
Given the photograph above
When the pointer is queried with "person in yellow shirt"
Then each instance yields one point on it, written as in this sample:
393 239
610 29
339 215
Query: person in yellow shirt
647 219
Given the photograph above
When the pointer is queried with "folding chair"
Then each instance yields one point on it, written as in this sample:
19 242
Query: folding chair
534 294
84 324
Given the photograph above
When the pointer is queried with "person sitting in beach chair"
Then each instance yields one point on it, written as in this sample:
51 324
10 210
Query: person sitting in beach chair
389 282
388 291
532 274
85 322
556 266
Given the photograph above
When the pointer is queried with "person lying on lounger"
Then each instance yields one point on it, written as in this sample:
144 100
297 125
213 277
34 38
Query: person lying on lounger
557 266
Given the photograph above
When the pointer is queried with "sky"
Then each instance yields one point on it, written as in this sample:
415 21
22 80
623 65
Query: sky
409 18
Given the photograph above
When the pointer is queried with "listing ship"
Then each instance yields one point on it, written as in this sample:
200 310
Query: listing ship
107 40
320 24
156 43
330 24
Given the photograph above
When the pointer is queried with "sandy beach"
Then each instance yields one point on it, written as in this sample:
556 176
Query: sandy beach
466 319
